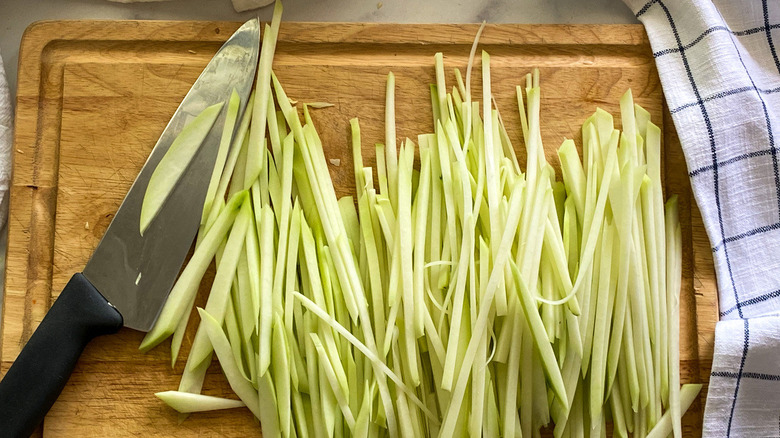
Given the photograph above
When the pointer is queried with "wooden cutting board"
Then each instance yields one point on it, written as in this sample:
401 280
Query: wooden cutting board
93 97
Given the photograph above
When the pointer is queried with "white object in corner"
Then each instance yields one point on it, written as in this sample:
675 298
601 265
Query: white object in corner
245 5
6 139
137 1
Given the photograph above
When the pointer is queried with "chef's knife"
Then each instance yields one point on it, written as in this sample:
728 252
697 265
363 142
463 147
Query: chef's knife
128 277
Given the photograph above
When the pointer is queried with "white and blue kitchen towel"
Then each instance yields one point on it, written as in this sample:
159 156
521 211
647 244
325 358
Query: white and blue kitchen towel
6 138
720 69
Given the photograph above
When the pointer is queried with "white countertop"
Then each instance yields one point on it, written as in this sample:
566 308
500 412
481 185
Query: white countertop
16 15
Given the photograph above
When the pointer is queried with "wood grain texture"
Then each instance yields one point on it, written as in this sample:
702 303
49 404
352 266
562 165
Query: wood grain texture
94 96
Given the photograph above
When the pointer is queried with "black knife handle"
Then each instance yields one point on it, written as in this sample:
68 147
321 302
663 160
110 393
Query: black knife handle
44 365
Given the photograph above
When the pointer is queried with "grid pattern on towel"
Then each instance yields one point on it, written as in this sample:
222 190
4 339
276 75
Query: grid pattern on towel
720 70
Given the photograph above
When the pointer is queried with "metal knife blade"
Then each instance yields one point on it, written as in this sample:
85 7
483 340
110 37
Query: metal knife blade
133 272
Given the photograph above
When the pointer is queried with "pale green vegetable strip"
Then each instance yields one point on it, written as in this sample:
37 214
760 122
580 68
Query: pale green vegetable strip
192 380
513 367
222 153
257 140
187 285
234 336
553 241
458 92
391 155
305 193
404 413
621 204
491 166
595 172
435 104
275 134
688 394
590 239
631 361
576 419
267 399
531 256
673 279
266 288
628 118
523 117
571 378
506 143
337 360
381 169
357 157
547 286
285 206
606 284
281 372
272 177
317 195
571 235
421 217
542 394
242 387
239 169
374 270
657 334
467 94
623 382
175 161
640 317
311 262
479 371
573 175
441 86
186 402
329 404
252 247
319 105
352 376
246 312
302 420
384 212
349 216
312 367
447 185
362 420
334 231
618 416
642 120
366 351
534 146
239 143
327 366
344 263
404 227
181 329
537 330
653 150
526 382
290 272
490 425
454 353
479 327
220 289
